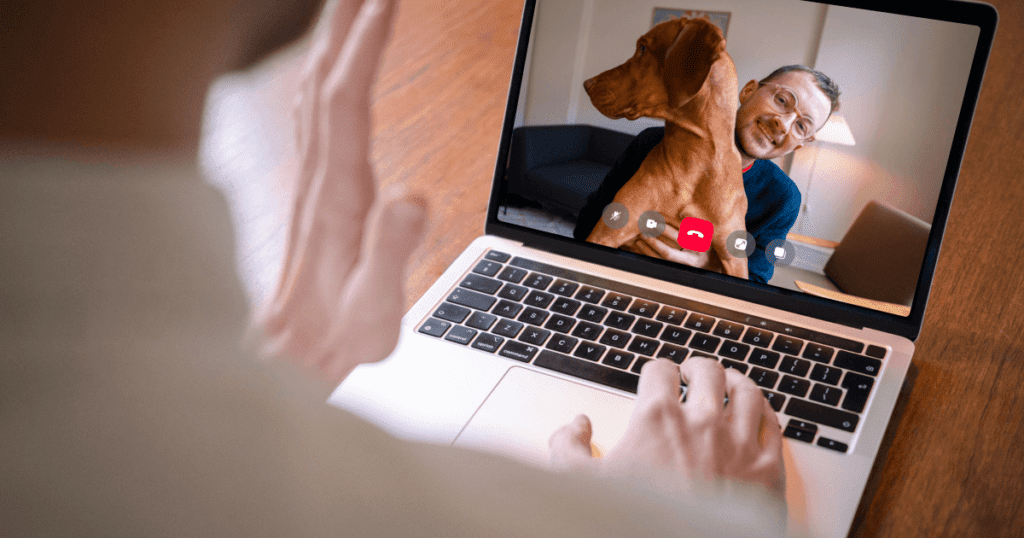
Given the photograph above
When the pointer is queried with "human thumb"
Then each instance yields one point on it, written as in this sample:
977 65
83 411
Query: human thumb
570 444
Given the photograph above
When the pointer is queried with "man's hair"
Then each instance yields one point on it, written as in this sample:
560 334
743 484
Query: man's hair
825 84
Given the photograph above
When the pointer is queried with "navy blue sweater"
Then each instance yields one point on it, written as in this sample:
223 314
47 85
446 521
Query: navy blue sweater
773 200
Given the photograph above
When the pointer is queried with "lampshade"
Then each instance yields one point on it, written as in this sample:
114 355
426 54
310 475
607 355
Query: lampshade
836 131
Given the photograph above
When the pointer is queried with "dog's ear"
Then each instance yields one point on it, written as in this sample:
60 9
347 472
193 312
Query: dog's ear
688 60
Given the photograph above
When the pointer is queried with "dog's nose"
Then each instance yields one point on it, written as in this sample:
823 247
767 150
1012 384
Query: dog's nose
588 83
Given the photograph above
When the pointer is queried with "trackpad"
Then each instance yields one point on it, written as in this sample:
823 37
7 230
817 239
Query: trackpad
526 407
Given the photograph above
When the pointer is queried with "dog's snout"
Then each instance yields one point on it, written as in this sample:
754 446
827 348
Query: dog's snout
588 83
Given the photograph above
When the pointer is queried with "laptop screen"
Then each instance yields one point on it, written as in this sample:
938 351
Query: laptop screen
815 155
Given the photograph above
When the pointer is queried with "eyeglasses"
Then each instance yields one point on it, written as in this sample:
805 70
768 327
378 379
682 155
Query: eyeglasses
785 102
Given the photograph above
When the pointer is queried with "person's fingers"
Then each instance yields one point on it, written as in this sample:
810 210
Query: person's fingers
705 393
659 380
768 464
745 411
659 246
672 232
570 445
644 248
373 300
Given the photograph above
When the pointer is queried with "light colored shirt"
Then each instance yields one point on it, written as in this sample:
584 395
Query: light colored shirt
128 407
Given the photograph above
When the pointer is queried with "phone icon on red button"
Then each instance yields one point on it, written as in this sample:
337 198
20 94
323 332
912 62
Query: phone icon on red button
695 234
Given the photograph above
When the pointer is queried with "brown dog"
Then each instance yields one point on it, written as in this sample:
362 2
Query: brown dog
681 73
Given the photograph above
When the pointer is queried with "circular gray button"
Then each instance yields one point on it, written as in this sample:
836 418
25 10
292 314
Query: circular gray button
740 244
615 216
780 252
651 224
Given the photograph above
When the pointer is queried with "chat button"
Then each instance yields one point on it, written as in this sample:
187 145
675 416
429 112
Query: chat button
695 234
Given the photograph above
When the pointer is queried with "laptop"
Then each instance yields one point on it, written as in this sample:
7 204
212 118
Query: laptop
530 327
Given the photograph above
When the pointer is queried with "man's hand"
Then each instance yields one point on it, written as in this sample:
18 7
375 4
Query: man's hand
340 299
701 438
666 246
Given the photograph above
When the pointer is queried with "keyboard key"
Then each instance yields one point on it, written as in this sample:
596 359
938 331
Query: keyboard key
831 444
560 323
534 335
727 329
798 434
534 316
757 337
699 322
539 299
763 358
734 350
592 313
829 416
826 374
452 312
508 309
643 308
566 306
488 342
877 352
639 364
611 337
507 327
764 378
619 320
604 375
460 335
434 327
729 363
482 321
499 257
538 281
671 314
775 399
487 268
818 352
518 351
513 292
858 363
674 353
676 335
471 299
787 344
589 351
480 283
643 346
794 385
563 288
646 327
618 359
512 274
587 331
858 388
704 342
562 343
590 295
826 394
617 301
794 366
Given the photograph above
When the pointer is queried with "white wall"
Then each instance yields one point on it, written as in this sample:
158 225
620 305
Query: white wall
902 81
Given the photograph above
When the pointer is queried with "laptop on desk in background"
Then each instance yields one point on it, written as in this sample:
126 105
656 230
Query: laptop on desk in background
529 327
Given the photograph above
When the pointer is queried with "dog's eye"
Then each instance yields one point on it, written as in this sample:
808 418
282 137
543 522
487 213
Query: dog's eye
640 49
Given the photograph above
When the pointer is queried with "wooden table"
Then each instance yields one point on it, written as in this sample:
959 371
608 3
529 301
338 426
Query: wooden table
955 464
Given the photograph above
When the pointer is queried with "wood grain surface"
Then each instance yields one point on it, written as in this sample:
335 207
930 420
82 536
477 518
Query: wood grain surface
955 461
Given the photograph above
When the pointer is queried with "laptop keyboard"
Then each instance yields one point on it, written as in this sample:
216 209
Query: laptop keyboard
604 331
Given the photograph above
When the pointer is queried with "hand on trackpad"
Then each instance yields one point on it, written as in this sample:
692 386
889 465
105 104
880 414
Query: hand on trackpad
526 407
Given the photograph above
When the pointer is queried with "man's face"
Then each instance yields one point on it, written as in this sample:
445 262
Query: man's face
778 117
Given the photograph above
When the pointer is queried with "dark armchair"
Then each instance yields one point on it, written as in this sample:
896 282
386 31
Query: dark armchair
559 165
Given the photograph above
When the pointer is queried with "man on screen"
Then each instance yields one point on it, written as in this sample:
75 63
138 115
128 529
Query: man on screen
777 115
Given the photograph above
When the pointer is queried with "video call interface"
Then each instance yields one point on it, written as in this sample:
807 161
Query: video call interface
631 117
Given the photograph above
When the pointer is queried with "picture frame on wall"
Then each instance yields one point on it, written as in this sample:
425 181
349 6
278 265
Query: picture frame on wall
718 18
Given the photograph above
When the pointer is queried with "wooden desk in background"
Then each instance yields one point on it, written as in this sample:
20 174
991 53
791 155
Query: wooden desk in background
955 465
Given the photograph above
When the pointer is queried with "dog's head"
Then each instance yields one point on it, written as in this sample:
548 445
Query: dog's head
668 69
